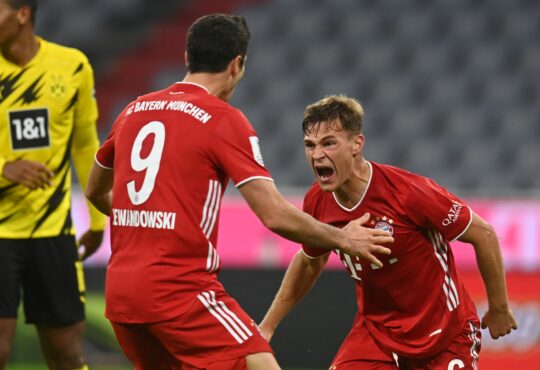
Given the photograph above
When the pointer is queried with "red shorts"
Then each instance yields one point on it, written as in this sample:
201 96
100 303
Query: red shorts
461 353
215 333
360 352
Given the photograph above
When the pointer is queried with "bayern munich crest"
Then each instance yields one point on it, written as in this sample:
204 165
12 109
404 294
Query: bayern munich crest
383 223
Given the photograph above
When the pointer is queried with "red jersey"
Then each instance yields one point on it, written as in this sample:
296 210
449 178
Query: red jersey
173 152
415 304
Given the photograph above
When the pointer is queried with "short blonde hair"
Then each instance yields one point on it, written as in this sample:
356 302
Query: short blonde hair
349 111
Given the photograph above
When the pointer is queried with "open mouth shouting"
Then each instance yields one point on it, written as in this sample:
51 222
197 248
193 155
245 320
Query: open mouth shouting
324 173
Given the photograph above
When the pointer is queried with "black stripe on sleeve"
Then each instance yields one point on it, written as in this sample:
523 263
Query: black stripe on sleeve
72 102
79 68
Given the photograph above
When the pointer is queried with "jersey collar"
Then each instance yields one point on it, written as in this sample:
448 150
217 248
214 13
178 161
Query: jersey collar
192 84
363 195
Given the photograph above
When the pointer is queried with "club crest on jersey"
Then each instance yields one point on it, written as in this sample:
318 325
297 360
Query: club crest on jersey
383 223
58 87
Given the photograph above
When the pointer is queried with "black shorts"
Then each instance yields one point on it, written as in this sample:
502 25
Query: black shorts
48 273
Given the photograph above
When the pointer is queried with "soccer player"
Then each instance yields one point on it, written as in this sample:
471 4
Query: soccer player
168 160
47 117
413 311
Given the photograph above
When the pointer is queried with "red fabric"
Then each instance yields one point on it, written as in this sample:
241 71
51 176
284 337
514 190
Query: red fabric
461 353
417 291
198 339
365 365
178 172
359 345
236 364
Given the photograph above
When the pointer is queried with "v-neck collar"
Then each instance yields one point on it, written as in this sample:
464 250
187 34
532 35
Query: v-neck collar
361 198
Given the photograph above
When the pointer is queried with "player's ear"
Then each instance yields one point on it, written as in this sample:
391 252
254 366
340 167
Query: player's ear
24 15
186 60
237 65
358 144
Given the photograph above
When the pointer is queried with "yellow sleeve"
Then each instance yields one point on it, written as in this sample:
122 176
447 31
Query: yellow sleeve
85 139
3 181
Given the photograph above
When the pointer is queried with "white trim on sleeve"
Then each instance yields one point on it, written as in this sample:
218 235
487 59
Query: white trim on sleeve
101 165
253 178
466 227
311 257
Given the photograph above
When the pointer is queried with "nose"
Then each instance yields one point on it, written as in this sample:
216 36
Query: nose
318 152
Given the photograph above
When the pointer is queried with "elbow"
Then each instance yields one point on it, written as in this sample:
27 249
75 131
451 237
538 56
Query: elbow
92 194
489 231
486 237
270 222
274 222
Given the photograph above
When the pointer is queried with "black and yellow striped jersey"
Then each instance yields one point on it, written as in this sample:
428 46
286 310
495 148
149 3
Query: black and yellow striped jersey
48 114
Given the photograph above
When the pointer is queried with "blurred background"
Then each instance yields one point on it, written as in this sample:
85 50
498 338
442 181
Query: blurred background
449 92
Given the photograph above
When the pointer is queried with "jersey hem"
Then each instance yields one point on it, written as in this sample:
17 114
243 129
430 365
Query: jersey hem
35 236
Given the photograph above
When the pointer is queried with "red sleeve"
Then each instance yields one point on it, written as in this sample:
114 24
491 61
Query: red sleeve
309 208
432 206
105 154
236 149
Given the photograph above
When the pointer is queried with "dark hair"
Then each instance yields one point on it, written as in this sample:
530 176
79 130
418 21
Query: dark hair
32 4
349 111
213 41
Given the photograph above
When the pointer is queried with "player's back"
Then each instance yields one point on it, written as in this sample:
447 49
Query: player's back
169 177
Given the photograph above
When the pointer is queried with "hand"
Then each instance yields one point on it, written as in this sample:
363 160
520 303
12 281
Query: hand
90 242
364 242
31 174
265 331
499 322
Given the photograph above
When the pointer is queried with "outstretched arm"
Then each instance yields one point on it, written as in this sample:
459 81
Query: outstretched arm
300 277
499 318
288 221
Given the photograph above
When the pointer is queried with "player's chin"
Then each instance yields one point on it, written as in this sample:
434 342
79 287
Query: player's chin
327 185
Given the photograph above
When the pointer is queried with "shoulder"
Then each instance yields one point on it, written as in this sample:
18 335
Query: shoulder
68 54
398 177
311 197
313 192
410 187
231 120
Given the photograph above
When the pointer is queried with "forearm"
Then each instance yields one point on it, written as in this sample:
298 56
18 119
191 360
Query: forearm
489 260
297 282
293 224
102 203
288 221
490 264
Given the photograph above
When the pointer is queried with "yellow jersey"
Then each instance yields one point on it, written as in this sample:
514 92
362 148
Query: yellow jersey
48 114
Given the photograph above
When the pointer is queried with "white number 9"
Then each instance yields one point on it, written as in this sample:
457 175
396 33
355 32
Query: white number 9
150 163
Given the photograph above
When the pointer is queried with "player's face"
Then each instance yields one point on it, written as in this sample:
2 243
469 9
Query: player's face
331 152
9 22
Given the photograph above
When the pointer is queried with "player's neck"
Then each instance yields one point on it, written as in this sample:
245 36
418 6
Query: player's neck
353 190
22 49
216 83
